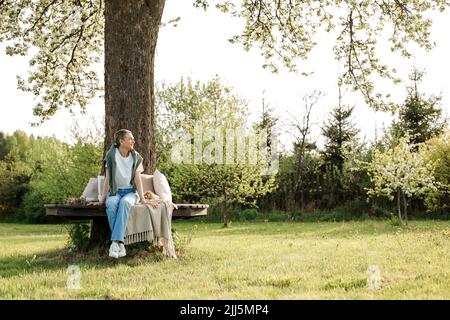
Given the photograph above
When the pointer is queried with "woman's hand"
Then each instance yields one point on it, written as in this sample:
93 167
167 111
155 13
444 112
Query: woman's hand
154 203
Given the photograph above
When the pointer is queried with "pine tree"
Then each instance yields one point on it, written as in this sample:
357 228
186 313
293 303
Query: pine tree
420 117
338 132
267 123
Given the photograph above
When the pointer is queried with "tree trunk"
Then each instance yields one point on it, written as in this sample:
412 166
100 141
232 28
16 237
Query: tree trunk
302 199
399 206
131 33
100 232
225 210
405 209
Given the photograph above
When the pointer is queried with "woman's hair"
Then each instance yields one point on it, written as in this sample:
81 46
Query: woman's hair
120 135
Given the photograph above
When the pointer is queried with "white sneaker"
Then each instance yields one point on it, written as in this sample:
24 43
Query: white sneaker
122 251
114 250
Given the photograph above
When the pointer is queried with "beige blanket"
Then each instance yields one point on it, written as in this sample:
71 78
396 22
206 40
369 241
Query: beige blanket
146 223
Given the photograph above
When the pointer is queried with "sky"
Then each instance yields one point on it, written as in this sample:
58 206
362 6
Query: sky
198 48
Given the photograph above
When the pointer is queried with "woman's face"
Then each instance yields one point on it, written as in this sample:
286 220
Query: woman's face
127 142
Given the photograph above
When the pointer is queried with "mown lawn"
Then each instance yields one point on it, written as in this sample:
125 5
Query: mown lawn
260 260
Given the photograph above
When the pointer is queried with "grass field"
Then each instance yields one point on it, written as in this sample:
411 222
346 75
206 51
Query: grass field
259 260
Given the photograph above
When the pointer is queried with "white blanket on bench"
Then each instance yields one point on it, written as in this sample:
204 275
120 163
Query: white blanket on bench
146 223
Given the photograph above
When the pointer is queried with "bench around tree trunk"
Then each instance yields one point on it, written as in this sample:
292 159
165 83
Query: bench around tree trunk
100 231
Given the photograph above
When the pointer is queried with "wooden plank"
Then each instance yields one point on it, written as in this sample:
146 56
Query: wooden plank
192 205
52 211
188 213
180 205
75 206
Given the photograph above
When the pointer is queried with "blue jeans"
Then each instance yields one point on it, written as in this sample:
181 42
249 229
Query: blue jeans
117 209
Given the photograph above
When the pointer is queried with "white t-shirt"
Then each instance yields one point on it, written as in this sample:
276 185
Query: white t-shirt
124 166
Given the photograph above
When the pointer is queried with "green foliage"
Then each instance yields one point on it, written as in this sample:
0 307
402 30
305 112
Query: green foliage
183 105
355 177
63 173
14 182
181 242
281 197
419 116
4 150
400 173
249 214
346 285
18 141
437 151
200 112
37 171
32 207
394 220
339 132
79 237
339 135
68 37
400 168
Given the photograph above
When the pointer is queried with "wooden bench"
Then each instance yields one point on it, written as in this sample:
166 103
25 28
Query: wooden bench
100 231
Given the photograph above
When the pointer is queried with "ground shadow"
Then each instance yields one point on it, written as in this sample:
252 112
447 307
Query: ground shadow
61 259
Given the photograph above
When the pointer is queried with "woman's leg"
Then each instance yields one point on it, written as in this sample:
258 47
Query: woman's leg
125 204
112 204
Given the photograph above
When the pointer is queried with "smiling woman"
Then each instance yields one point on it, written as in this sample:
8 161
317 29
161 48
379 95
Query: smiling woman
122 188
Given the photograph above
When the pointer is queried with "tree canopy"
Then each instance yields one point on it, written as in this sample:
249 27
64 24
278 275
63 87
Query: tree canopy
68 38
285 32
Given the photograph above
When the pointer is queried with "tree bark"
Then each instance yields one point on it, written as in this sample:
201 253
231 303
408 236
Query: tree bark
225 210
399 206
100 232
405 209
131 33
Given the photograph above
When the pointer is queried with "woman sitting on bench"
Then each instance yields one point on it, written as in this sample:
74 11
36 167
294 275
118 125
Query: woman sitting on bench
122 188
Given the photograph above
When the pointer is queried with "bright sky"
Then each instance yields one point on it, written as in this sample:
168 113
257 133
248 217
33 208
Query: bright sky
198 48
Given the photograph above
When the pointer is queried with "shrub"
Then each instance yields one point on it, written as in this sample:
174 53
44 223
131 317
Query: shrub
79 237
249 214
14 183
60 172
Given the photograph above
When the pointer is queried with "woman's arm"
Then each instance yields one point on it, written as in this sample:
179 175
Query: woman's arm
138 181
105 187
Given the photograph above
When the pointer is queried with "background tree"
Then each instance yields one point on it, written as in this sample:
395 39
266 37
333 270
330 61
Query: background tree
338 133
267 125
437 151
15 176
400 173
199 110
303 146
419 117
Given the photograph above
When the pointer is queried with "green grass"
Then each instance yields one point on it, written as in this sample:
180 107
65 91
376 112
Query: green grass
260 260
